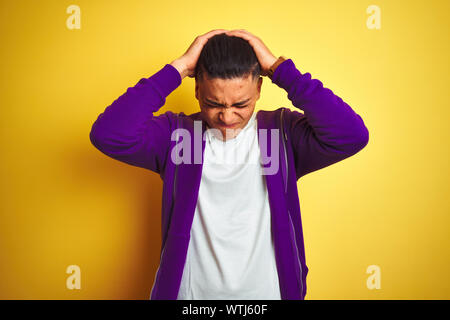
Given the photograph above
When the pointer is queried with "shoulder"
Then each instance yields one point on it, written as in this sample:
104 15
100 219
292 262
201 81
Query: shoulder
179 116
179 119
271 116
293 117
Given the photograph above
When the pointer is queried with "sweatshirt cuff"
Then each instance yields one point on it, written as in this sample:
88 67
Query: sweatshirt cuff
167 79
284 73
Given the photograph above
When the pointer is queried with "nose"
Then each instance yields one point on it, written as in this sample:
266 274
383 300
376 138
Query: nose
227 117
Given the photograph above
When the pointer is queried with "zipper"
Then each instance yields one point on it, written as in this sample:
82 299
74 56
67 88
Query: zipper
157 273
170 217
284 148
173 193
284 139
296 254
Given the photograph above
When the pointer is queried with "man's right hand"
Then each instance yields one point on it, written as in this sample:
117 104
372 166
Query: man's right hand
187 62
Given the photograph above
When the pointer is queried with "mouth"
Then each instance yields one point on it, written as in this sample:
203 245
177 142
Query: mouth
229 126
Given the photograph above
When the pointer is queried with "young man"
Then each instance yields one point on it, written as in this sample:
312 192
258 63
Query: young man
230 230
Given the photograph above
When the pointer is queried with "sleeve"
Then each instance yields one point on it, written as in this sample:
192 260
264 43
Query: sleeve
328 131
128 131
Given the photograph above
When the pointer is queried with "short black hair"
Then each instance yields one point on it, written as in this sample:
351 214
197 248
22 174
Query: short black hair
227 57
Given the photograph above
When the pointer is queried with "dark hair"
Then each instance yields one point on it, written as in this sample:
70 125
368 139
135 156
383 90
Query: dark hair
227 57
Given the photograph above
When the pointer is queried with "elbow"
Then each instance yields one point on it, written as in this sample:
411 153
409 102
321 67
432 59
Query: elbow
95 133
100 135
92 137
95 138
356 142
361 135
362 139
364 136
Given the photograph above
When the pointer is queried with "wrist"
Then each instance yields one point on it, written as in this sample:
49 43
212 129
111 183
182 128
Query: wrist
180 66
275 65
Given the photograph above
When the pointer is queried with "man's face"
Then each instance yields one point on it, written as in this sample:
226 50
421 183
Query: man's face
227 104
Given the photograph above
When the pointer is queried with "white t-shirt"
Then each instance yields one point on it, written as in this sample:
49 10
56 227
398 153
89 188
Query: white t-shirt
231 253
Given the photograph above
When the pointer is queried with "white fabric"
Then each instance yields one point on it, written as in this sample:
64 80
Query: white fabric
231 253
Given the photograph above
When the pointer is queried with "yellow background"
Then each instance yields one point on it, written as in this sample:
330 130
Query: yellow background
65 203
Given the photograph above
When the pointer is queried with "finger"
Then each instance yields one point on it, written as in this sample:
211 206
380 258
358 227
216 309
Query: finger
240 34
214 32
242 31
235 31
205 37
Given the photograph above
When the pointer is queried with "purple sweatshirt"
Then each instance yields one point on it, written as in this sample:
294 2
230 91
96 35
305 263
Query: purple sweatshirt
326 132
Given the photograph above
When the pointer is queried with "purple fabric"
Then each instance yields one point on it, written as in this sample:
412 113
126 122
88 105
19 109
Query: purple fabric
327 132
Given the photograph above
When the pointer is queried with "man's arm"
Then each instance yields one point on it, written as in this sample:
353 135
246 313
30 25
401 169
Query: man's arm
328 131
129 132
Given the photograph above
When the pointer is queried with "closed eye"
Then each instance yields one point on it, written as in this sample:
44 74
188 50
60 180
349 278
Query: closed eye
210 106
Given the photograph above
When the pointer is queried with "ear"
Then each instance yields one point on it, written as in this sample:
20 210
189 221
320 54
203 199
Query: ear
258 87
196 89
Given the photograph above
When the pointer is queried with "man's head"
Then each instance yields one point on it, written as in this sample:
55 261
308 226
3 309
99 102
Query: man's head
228 83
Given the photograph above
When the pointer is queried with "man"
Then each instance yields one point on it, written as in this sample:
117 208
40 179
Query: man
233 230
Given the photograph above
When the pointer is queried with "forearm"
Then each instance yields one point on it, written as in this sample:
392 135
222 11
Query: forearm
181 67
129 132
333 121
127 116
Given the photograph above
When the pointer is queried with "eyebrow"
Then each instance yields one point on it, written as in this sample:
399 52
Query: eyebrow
234 104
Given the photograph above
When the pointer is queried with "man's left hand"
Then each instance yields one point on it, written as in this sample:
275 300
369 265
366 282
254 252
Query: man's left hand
265 57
